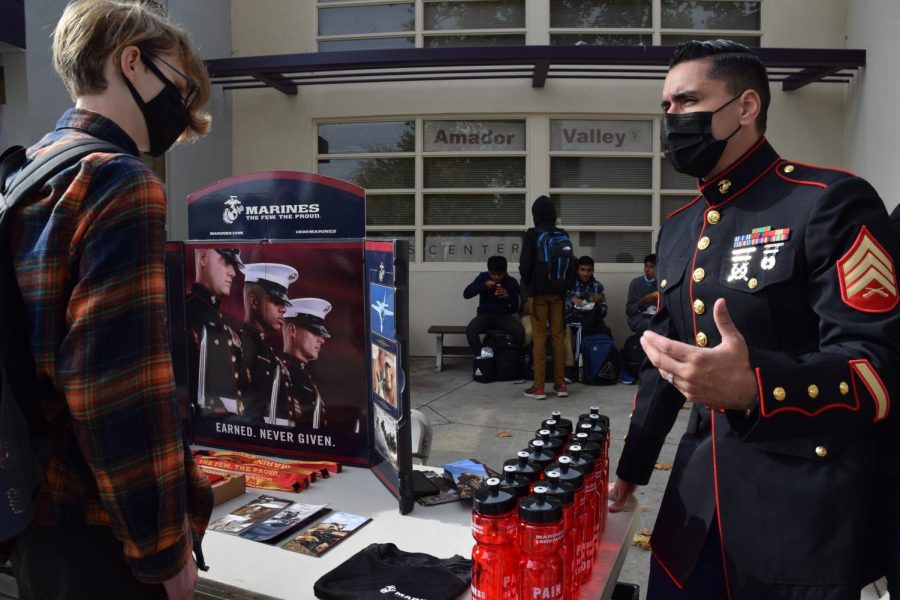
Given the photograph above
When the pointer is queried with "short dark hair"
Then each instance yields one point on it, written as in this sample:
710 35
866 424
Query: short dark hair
735 64
650 258
586 260
497 264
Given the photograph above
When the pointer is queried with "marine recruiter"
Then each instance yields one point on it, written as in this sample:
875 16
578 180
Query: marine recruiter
777 319
304 336
214 351
265 302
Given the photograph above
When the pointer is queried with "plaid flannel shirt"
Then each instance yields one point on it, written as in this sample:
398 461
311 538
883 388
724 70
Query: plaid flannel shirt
583 291
89 259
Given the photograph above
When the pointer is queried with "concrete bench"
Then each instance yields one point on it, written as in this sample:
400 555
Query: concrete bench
441 350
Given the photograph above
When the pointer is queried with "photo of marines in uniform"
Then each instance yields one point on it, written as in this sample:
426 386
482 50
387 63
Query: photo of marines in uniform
214 347
304 335
265 304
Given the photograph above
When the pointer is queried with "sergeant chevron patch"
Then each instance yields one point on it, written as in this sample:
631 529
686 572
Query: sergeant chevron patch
867 277
863 369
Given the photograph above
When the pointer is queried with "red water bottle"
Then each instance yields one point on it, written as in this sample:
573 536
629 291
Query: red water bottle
524 466
555 432
565 493
595 452
585 464
553 446
584 522
495 557
564 425
537 454
541 533
514 482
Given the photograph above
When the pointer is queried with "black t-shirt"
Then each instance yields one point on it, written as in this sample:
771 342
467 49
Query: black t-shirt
384 572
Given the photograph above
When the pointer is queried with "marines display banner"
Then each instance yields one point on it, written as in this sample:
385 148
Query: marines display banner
276 352
388 311
277 205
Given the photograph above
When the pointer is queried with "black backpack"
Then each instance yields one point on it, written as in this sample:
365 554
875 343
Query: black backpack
26 439
554 265
508 362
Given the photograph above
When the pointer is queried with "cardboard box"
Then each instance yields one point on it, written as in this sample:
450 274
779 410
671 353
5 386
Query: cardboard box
233 484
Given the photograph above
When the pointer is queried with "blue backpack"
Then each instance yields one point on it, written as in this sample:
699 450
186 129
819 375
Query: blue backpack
599 360
555 262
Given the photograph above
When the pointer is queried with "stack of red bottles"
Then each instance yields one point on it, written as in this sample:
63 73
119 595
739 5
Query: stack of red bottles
495 557
584 463
584 519
541 534
565 493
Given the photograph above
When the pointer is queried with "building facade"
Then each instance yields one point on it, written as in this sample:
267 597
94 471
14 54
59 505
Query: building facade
452 165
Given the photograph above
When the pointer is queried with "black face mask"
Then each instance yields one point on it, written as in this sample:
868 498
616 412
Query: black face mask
689 144
166 115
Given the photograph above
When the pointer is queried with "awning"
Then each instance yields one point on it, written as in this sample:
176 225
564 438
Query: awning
793 67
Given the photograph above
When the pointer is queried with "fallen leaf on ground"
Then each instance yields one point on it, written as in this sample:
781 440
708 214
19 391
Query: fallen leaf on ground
663 466
646 509
641 541
504 434
646 532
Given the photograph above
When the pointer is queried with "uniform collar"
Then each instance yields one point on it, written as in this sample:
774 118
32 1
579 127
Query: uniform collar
97 126
252 330
203 292
293 360
739 175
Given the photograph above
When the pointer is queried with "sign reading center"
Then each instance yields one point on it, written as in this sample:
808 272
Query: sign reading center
455 136
601 136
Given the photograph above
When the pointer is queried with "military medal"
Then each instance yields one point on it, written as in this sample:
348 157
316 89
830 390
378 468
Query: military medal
769 252
740 263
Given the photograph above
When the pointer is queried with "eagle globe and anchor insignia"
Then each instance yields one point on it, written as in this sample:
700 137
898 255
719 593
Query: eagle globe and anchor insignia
233 209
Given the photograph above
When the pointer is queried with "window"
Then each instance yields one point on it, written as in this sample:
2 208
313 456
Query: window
473 177
474 23
739 21
457 188
355 25
633 22
601 180
379 156
364 27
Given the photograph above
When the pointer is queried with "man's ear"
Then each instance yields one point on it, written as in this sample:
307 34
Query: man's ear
750 105
253 299
129 62
203 257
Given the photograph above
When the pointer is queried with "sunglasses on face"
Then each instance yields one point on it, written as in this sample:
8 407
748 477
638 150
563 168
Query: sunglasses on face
193 88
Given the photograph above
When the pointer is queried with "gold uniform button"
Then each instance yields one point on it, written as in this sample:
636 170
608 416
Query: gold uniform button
724 186
699 307
789 168
813 391
779 394
703 244
699 274
752 283
845 389
702 340
821 451
663 283
712 217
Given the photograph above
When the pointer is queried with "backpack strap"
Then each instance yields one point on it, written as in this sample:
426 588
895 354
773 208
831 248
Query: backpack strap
16 358
33 177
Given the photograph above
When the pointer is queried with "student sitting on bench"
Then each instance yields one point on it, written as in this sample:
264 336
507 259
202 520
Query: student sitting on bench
585 302
498 302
